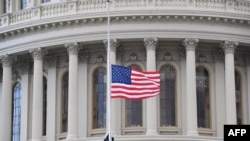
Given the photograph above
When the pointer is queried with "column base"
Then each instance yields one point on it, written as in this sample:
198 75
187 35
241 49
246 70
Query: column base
71 138
151 133
192 133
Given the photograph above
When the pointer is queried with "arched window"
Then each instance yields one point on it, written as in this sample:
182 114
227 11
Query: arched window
65 87
238 97
168 96
44 105
203 98
24 4
99 98
133 109
16 112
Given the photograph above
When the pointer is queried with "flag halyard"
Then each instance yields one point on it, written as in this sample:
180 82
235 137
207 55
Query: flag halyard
132 84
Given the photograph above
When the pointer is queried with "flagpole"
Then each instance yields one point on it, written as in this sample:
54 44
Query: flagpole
108 123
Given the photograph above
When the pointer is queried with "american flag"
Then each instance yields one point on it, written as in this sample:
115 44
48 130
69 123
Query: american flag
132 84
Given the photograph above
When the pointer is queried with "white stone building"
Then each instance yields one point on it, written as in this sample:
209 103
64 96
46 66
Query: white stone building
53 68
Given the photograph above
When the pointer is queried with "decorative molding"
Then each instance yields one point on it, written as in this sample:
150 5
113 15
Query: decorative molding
182 54
100 59
72 48
15 75
7 60
38 53
114 44
219 55
52 60
150 43
247 57
84 56
229 46
190 43
133 57
168 57
201 59
25 66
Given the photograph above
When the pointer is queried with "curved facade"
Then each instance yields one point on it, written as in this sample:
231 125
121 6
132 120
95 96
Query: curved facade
53 72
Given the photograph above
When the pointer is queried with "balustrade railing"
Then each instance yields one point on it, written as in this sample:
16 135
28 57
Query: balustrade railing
88 6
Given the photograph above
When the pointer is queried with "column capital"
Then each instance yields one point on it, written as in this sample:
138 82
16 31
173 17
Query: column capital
72 48
150 43
38 53
229 46
190 43
7 60
114 44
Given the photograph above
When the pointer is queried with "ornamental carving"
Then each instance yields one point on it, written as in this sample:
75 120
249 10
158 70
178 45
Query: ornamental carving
114 44
229 46
190 44
7 60
150 43
25 66
38 53
72 48
247 59
84 56
52 60
219 55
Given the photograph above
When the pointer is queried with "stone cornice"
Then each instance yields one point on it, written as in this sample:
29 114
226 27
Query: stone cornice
229 46
190 43
150 43
21 29
38 53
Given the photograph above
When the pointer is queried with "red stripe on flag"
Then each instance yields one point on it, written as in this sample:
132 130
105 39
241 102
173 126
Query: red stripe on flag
143 85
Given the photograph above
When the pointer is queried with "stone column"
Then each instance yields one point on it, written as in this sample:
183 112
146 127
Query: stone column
83 94
191 101
52 61
151 103
229 48
115 104
73 49
248 86
37 110
6 104
219 91
25 86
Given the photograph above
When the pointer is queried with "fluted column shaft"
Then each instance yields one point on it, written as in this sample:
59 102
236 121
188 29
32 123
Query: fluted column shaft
72 49
37 106
191 101
6 104
229 48
151 104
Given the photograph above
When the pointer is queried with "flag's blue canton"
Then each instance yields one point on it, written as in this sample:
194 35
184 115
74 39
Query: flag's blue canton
121 74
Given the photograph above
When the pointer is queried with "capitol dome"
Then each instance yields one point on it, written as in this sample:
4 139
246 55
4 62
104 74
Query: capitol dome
53 71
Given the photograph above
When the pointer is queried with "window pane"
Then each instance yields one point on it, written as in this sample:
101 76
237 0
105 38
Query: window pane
16 116
44 1
44 105
203 102
168 96
24 4
99 99
238 97
133 109
65 103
